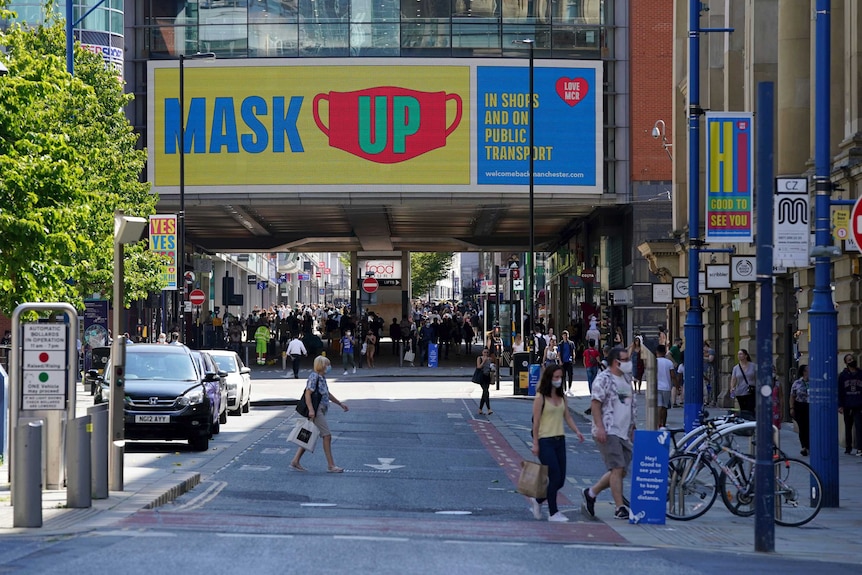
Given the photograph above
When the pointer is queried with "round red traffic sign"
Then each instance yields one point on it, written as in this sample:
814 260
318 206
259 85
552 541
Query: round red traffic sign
197 297
856 222
370 285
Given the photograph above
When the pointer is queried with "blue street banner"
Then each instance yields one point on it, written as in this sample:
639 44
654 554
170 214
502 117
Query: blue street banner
533 379
433 355
729 177
649 477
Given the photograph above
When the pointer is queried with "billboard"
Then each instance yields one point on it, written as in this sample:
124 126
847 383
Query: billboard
729 177
163 240
393 124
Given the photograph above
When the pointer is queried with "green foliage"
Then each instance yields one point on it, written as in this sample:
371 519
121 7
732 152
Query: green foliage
344 258
427 268
68 160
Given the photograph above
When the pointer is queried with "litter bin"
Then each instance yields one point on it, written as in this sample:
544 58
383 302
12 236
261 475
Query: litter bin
520 371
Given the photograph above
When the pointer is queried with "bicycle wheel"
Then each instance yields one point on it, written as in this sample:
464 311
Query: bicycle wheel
739 499
691 486
798 493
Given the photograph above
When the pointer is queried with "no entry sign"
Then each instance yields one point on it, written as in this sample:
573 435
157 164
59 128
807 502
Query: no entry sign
370 285
197 297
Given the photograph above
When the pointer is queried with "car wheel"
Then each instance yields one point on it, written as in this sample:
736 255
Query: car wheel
222 417
200 443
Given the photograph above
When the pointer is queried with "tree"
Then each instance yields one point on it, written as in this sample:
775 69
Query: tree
427 268
68 160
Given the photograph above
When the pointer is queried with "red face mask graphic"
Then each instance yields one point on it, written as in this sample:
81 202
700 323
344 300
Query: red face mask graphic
387 124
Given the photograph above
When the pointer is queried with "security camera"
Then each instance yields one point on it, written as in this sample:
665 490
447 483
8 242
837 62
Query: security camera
655 133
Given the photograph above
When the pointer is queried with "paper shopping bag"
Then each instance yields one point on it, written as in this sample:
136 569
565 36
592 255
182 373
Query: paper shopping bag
305 434
409 356
533 481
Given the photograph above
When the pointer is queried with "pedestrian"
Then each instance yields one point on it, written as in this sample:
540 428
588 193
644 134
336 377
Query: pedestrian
636 353
370 348
518 344
567 359
296 350
395 335
485 362
742 380
799 408
614 411
549 440
347 344
664 383
261 341
708 373
552 353
163 338
850 403
591 362
317 380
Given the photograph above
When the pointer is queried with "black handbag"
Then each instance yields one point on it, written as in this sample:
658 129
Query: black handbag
316 396
477 376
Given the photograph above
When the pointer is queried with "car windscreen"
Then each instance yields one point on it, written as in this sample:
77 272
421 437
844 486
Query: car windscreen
155 366
226 363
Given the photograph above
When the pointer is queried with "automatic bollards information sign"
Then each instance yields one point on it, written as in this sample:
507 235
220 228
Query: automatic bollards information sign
649 477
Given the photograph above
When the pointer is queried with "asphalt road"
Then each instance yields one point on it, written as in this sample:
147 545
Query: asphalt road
428 487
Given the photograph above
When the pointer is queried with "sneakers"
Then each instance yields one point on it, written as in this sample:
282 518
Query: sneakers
345 372
558 518
354 370
588 411
589 502
804 452
859 453
536 509
622 512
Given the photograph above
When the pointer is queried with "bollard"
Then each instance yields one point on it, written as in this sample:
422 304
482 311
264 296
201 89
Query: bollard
78 473
99 450
27 476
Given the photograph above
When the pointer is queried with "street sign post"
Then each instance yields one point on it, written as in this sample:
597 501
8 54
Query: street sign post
370 285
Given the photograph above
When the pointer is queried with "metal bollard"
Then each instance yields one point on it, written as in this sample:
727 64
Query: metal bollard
78 484
27 476
99 450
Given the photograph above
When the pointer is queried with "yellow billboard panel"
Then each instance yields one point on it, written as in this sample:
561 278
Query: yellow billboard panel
268 124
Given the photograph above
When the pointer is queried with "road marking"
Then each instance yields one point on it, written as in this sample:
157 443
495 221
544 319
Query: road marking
384 465
205 497
453 512
255 535
318 504
277 450
455 415
370 538
506 543
593 547
255 468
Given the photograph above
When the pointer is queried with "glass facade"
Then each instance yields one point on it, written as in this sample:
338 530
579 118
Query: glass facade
339 28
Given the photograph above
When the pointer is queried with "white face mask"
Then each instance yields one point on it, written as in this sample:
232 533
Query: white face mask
626 367
556 382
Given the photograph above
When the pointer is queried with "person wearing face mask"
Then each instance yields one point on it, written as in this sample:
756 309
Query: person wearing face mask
317 380
614 412
549 441
850 404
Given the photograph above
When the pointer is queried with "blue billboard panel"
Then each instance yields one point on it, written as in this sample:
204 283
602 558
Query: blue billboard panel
568 125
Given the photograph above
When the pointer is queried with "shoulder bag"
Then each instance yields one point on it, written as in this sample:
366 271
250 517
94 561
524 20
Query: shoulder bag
533 481
316 396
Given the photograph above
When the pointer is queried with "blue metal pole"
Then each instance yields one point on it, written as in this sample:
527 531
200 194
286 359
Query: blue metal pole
694 318
70 37
822 317
764 476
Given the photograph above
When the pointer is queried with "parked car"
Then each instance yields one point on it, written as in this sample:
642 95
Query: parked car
164 396
216 387
238 380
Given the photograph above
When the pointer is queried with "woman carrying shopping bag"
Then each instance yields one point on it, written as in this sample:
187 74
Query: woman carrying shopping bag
317 380
549 440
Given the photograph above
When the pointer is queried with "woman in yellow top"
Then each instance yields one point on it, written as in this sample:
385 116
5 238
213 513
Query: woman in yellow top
549 441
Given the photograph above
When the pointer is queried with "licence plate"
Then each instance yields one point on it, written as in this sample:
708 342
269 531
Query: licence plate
152 419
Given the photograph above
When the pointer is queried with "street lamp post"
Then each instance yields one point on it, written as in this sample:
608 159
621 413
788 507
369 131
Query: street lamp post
181 216
532 261
127 230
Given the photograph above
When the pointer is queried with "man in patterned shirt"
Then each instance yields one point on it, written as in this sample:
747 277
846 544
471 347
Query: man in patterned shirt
614 412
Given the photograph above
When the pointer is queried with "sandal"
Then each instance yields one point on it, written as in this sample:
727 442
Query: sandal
490 412
481 413
297 467
335 469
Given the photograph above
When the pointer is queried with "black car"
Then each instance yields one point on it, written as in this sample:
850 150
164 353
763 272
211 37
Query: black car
164 395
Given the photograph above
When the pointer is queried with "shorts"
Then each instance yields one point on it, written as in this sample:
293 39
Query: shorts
616 452
320 421
663 399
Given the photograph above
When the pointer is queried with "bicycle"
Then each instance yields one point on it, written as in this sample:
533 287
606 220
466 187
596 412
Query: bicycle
694 485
